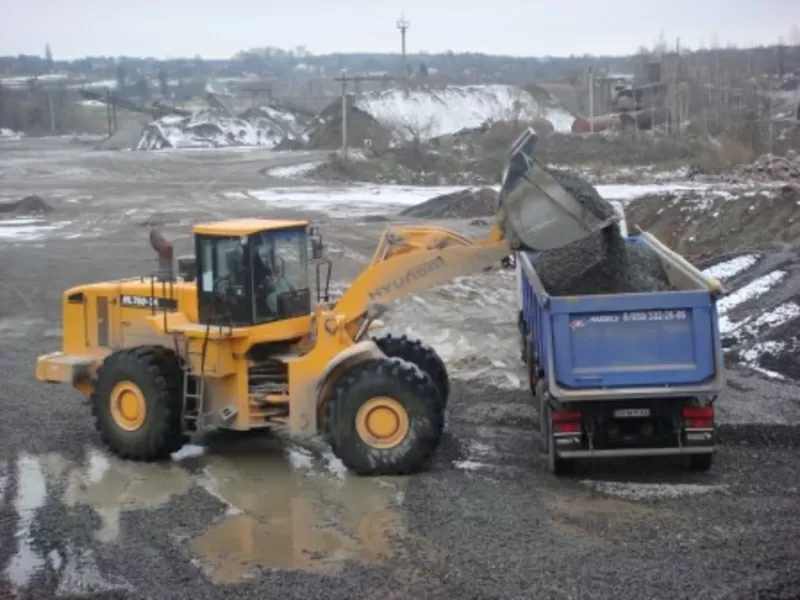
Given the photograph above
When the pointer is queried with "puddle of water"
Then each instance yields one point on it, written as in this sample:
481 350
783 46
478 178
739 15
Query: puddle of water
300 512
111 486
575 515
31 496
297 520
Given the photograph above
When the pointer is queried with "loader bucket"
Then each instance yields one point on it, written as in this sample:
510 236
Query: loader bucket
538 210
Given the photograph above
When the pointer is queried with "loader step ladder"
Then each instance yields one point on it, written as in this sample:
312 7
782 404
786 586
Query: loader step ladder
193 396
194 388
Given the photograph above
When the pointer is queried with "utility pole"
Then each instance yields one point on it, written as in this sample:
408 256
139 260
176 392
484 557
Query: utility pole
343 79
591 99
675 91
403 26
356 79
50 108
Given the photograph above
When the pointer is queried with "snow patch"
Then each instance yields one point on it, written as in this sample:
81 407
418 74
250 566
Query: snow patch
780 315
10 134
642 491
751 357
731 268
626 192
433 112
361 199
334 464
188 451
292 171
300 458
265 127
350 201
752 290
26 229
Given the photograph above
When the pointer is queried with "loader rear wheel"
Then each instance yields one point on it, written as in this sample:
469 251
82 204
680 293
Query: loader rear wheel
385 417
420 354
136 403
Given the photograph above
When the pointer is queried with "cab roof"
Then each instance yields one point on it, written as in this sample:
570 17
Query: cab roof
239 227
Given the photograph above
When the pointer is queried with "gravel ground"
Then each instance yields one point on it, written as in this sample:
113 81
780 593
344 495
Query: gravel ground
251 516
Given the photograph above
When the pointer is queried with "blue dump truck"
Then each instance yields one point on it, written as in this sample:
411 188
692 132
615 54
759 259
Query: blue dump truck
615 371
625 374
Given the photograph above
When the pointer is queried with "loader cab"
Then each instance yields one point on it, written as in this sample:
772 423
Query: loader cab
252 271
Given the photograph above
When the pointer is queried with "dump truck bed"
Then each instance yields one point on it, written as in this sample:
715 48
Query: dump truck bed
614 346
624 375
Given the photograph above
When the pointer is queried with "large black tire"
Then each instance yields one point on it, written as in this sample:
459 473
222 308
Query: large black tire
420 354
700 462
156 372
402 382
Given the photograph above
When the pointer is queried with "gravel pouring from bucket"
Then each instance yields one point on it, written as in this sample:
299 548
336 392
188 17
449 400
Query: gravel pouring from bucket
541 210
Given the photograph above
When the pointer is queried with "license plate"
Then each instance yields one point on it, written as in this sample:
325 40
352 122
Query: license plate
631 413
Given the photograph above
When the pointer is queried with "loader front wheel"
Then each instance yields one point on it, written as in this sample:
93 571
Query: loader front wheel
417 353
136 403
385 417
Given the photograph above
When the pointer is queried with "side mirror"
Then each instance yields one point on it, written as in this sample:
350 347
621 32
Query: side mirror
316 243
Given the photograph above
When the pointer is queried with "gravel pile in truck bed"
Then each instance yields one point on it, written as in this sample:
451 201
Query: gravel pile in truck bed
601 263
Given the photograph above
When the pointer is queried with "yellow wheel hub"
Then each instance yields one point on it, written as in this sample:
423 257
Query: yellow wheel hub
382 422
128 407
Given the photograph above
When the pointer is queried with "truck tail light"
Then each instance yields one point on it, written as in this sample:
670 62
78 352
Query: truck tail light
698 417
566 421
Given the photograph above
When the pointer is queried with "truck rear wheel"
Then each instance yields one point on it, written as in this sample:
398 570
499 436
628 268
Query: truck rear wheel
700 462
420 354
385 417
136 403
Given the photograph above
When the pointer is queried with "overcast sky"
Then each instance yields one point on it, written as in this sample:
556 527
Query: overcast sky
220 28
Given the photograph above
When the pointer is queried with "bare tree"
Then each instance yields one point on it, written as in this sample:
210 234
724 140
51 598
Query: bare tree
418 133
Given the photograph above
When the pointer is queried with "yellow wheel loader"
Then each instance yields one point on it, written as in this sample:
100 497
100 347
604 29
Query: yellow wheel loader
233 340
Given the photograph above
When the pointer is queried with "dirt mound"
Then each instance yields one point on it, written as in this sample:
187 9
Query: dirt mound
466 204
704 224
259 126
362 130
759 317
27 206
769 167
